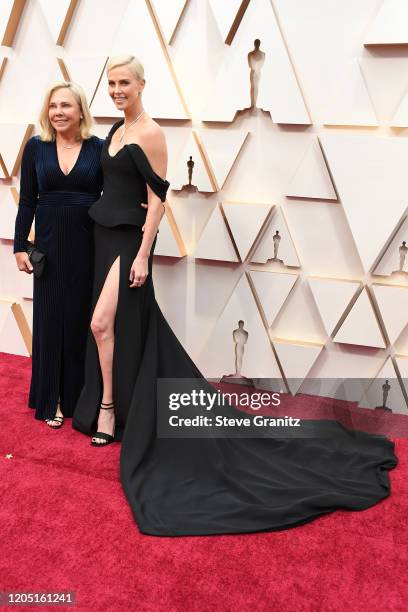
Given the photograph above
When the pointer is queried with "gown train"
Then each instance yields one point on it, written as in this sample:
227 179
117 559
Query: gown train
212 485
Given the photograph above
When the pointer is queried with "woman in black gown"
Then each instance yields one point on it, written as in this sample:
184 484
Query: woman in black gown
60 178
190 486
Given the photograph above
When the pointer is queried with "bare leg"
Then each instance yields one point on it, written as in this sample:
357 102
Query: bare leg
102 326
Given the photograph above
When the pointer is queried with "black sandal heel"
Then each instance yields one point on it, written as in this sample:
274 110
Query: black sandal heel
59 419
107 438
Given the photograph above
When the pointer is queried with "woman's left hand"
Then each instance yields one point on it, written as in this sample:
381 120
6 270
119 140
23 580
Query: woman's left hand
138 271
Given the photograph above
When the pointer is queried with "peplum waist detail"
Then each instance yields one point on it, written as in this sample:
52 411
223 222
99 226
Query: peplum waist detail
127 175
109 216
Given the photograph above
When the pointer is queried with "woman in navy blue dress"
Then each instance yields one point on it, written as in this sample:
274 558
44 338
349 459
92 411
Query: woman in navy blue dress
61 178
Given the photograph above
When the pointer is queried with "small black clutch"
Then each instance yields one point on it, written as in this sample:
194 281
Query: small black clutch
36 258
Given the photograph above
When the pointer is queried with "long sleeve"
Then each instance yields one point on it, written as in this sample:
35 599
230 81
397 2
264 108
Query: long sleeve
28 197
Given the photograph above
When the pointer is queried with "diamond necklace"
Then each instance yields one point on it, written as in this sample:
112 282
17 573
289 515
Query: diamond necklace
130 125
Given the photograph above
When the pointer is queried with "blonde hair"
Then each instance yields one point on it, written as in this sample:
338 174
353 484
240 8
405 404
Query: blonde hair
47 131
134 65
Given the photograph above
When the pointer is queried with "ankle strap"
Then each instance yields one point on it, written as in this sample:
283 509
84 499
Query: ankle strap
107 406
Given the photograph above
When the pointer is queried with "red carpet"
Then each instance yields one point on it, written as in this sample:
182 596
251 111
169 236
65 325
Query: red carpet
66 526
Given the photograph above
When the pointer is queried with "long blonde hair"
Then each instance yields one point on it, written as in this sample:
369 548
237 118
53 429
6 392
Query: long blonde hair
134 65
47 131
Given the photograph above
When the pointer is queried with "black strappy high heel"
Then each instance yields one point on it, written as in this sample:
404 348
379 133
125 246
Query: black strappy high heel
107 438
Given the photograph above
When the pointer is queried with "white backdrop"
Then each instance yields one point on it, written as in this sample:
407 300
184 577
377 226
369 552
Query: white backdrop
322 160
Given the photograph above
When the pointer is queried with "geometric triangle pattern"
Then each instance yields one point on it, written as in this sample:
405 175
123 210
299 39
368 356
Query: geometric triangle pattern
332 297
191 172
394 261
225 14
58 16
19 71
350 103
385 86
361 325
369 175
245 222
382 75
400 118
222 148
168 15
271 290
218 355
390 26
215 242
393 305
312 179
276 244
351 218
296 360
385 391
161 95
273 87
85 70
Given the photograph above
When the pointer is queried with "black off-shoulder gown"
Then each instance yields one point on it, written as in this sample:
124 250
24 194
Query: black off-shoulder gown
62 295
203 486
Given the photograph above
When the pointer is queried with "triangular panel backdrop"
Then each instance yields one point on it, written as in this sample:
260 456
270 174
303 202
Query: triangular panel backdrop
287 207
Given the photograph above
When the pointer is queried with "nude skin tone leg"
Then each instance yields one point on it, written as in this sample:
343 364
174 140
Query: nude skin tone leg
102 326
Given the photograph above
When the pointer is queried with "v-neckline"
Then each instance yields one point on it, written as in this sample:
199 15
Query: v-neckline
76 161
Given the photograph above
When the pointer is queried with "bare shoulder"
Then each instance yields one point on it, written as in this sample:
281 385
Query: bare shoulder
153 142
153 139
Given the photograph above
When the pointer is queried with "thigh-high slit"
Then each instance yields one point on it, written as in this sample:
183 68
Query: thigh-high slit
208 485
129 330
102 325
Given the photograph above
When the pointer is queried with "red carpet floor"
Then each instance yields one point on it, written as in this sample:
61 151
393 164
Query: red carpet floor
65 525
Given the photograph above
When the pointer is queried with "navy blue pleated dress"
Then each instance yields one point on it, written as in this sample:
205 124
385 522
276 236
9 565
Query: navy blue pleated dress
62 295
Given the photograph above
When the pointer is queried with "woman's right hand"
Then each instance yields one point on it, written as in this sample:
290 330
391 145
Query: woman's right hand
23 262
